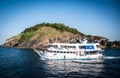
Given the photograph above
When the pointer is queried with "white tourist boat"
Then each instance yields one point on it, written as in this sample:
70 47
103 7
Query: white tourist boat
72 51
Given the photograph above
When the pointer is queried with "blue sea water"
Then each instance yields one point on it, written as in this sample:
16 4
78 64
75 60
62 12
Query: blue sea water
25 63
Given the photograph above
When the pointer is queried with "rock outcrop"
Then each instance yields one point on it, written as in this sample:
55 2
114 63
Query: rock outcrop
113 44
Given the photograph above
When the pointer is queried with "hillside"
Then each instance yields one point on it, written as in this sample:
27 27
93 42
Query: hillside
41 35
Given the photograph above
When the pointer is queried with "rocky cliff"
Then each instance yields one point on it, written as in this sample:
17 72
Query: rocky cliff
113 44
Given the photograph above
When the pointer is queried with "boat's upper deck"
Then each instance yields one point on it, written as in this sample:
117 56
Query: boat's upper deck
75 46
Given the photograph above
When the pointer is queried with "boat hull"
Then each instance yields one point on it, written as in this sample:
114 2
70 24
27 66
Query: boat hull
62 56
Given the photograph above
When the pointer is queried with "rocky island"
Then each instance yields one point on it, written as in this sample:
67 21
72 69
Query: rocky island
41 35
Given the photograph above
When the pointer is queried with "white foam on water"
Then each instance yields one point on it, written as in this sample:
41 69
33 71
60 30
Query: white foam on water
110 57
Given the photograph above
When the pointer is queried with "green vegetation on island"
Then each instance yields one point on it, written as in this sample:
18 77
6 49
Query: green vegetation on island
29 32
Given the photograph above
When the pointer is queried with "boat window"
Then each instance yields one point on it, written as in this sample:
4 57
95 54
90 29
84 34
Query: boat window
51 46
54 51
64 46
48 46
61 52
71 52
55 46
93 52
67 52
81 47
57 51
72 47
86 47
50 51
64 52
100 52
89 47
86 52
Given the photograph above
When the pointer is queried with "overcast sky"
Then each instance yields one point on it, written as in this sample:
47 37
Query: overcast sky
93 17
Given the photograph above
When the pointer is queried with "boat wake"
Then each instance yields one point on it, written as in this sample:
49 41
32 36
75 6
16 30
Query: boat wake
89 62
110 57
